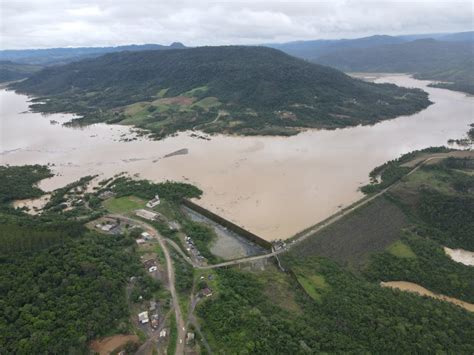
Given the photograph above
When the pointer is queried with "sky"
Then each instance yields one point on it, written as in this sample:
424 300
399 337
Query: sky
74 23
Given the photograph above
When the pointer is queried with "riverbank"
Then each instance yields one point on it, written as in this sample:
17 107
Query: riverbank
271 186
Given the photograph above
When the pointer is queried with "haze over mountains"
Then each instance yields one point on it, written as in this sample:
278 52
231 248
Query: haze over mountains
19 64
312 50
52 56
443 57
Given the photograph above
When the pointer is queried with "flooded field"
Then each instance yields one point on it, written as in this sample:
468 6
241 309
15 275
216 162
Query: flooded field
228 244
272 186
412 287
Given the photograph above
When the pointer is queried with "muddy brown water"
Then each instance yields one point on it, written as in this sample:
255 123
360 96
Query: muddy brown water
272 186
415 288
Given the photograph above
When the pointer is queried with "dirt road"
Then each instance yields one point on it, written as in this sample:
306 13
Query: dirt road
180 325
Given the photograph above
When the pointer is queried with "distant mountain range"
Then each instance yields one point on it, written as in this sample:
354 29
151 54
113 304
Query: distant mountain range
52 56
10 71
314 49
20 64
235 89
443 57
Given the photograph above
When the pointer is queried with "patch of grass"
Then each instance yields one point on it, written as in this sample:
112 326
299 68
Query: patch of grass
401 250
435 179
208 102
351 240
123 204
279 288
169 209
315 285
162 93
196 91
136 108
173 336
212 283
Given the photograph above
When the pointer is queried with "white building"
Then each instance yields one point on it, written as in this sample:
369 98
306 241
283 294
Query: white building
146 236
143 317
154 202
151 216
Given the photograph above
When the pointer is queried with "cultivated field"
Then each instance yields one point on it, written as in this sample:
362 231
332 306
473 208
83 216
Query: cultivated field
369 229
124 204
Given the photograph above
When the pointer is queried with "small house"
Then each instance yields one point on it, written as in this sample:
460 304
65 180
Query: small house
146 235
149 215
189 338
206 292
152 269
174 226
154 202
143 317
140 241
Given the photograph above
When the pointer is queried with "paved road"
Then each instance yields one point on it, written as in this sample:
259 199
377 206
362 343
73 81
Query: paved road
180 325
171 275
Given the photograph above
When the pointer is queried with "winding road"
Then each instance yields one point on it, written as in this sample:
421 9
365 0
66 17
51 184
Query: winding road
181 326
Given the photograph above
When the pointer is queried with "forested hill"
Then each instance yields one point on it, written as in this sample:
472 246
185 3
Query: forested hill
415 56
253 88
311 50
50 56
10 71
428 58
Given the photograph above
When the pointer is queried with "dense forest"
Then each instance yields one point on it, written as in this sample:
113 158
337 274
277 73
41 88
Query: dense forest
55 56
319 305
61 284
353 315
428 265
57 299
218 89
430 59
446 58
19 182
10 71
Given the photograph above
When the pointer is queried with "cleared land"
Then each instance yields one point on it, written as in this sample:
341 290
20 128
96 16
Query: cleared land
401 250
123 204
350 241
412 287
107 345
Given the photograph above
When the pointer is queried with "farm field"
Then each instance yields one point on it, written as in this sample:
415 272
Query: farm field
124 204
351 240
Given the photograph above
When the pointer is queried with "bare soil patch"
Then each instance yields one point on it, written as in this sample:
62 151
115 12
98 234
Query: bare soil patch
177 100
415 288
106 345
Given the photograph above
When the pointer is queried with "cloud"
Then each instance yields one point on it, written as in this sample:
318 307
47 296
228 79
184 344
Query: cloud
61 23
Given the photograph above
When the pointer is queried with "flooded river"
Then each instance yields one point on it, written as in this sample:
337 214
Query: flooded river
273 186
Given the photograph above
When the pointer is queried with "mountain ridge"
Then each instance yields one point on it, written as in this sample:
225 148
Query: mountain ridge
252 90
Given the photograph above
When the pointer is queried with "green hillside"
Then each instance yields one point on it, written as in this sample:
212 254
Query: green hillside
10 71
427 58
245 90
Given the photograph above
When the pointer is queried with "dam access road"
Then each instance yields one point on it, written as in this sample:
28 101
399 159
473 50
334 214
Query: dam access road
180 323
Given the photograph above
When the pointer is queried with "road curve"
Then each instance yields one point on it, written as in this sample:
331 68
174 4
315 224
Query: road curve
180 325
